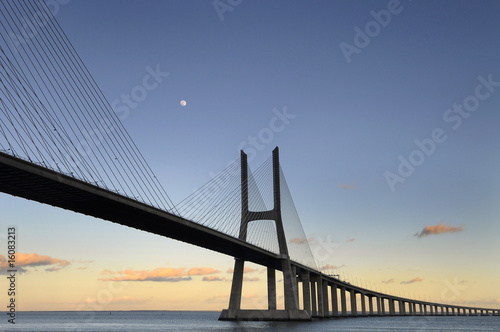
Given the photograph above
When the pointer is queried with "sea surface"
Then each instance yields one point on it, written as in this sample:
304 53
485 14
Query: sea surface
207 321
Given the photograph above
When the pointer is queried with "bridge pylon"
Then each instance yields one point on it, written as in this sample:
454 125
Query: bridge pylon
291 310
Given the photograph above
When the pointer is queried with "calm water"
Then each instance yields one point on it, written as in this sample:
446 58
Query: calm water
207 321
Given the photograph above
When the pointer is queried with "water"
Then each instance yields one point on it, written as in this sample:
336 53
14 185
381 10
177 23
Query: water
207 321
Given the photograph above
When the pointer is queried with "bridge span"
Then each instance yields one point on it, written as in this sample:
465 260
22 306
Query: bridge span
322 295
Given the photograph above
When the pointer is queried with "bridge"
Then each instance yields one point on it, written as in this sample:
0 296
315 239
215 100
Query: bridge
61 144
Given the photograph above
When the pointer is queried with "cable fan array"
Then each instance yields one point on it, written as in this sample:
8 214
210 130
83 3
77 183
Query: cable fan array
217 205
52 112
298 245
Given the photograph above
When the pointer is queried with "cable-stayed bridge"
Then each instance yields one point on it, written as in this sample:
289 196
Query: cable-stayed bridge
62 144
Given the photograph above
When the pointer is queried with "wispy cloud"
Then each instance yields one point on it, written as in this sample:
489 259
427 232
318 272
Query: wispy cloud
201 271
163 274
331 267
298 240
245 270
351 186
351 240
388 281
26 261
223 298
439 229
417 279
250 279
213 278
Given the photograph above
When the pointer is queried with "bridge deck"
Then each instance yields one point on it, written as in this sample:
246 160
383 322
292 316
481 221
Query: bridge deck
24 179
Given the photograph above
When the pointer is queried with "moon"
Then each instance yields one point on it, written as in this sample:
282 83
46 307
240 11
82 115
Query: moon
183 103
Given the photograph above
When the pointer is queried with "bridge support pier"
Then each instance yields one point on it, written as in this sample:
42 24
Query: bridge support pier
237 285
392 309
335 301
343 301
306 291
271 288
321 306
370 305
402 308
313 297
291 311
326 311
379 306
363 304
354 309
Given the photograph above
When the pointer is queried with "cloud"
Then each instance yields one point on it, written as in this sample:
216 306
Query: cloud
25 261
351 240
245 270
439 229
218 299
201 271
331 267
250 279
298 240
213 278
388 281
163 274
417 279
348 186
118 301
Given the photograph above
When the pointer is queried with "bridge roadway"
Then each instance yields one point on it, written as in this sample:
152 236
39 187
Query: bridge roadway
22 178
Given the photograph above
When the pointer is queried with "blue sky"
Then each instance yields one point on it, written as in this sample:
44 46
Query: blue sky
275 73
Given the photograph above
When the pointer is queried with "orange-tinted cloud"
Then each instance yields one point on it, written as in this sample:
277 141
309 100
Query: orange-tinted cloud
331 267
24 261
213 278
245 270
298 240
117 301
417 279
218 299
348 186
439 229
166 274
201 271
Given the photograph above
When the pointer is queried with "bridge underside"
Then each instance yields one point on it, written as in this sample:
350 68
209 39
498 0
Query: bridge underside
30 181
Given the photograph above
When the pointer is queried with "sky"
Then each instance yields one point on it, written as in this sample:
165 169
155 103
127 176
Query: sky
385 113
